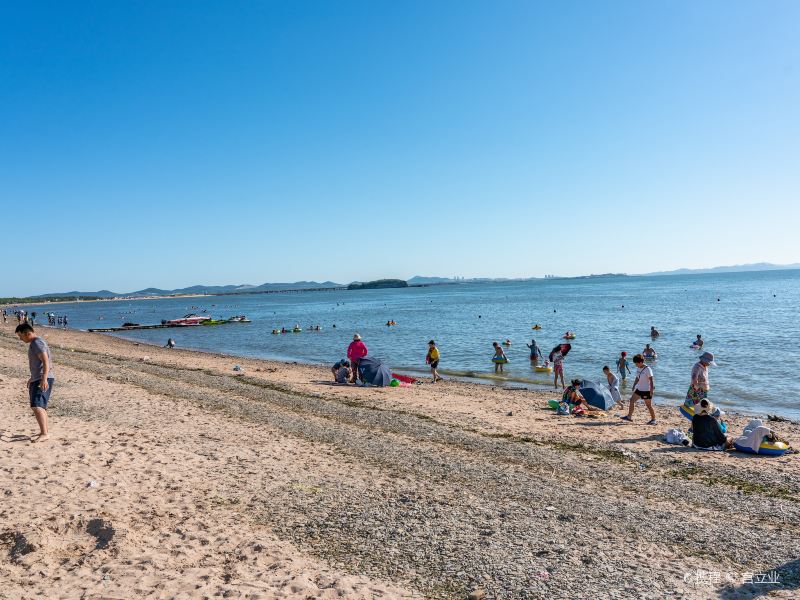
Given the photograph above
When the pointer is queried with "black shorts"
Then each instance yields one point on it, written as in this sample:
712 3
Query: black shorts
434 364
643 395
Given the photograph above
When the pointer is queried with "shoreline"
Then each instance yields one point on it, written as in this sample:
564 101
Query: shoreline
510 384
170 473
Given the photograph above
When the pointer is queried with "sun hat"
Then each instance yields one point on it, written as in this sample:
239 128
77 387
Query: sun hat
707 358
704 407
356 337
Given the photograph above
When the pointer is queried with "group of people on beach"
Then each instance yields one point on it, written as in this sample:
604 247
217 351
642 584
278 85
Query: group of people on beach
24 316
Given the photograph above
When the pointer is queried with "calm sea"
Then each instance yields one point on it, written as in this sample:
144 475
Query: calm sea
748 320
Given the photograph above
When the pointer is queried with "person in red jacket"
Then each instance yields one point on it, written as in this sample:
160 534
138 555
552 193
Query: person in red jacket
355 352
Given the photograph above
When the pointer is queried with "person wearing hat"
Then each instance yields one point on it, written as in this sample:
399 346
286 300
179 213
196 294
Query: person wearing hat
355 352
706 431
698 388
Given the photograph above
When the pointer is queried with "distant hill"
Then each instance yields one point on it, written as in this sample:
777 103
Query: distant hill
197 289
729 269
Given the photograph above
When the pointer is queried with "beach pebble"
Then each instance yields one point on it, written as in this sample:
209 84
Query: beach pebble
477 594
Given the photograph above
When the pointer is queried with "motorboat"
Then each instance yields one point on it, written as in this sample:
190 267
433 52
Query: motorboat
190 319
239 319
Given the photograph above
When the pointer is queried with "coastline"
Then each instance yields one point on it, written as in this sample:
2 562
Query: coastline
462 485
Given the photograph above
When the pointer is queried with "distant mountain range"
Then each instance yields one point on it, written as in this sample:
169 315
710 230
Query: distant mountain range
730 269
199 289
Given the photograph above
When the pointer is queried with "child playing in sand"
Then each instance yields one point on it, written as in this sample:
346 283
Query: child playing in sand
499 357
344 372
575 399
40 384
432 358
613 386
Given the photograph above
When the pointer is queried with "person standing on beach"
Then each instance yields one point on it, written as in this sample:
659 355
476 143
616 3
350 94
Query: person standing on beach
355 352
40 384
622 365
432 358
644 387
698 388
557 356
536 352
65 321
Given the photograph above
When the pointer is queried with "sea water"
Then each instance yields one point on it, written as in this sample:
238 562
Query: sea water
749 321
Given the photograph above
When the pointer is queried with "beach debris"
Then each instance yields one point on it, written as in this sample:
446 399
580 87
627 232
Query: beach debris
550 508
237 368
510 413
477 594
145 358
92 484
543 575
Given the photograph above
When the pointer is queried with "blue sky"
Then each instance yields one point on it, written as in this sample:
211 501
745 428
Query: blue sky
175 143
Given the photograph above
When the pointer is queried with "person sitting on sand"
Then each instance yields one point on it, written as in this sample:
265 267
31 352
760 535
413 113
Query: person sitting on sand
706 431
649 353
654 332
40 384
344 373
613 386
499 357
572 396
536 352
432 359
338 365
644 387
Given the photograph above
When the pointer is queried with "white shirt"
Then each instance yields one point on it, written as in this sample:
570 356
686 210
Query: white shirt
643 379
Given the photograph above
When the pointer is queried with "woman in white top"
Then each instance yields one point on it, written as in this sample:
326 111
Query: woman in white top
643 388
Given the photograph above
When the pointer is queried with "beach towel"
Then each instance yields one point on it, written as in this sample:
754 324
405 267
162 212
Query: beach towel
754 433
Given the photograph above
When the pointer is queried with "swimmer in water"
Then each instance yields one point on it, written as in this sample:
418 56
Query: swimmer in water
499 355
649 353
654 332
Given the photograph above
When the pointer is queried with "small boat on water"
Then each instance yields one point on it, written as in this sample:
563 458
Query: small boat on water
190 319
239 319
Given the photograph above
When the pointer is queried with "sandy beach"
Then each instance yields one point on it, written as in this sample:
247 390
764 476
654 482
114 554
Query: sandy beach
170 475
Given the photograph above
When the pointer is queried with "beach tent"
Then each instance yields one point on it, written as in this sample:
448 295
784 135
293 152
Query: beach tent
596 395
371 370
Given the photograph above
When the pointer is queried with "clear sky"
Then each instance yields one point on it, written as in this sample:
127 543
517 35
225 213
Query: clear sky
176 143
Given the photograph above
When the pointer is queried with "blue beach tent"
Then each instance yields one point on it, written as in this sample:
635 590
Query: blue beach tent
596 395
371 370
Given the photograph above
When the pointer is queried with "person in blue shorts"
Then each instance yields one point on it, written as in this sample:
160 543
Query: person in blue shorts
40 384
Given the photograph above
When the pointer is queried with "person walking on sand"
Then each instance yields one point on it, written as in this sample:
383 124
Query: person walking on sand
40 384
613 386
536 352
170 344
622 365
499 357
432 358
355 352
644 387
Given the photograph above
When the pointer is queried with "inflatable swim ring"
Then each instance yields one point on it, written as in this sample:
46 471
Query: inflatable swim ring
499 361
541 369
276 332
766 448
297 330
569 337
506 343
694 346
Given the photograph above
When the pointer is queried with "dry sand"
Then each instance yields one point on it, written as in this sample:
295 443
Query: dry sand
169 475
